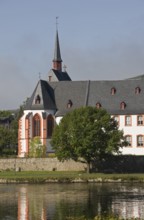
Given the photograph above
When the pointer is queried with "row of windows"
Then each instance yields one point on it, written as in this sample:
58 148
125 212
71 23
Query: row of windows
128 120
69 104
140 140
37 126
137 90
122 105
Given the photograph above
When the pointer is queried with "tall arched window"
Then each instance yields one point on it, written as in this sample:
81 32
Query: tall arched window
36 125
50 126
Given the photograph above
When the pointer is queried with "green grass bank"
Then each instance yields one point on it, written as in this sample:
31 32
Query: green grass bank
66 177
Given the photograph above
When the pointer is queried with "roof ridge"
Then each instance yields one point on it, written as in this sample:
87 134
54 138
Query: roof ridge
87 92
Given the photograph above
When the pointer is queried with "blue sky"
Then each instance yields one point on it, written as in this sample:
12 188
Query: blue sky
99 40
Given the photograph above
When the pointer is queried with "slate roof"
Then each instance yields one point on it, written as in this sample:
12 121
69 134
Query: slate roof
82 93
46 95
59 75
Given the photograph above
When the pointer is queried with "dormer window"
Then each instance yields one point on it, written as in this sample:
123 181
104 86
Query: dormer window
50 78
122 105
37 99
113 91
98 105
69 104
137 90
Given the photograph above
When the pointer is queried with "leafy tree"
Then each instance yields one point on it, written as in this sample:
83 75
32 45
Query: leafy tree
36 148
9 132
86 133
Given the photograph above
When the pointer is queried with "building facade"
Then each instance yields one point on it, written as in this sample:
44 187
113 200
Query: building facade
52 99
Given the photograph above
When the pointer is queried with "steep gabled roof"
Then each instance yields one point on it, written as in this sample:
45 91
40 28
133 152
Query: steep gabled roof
59 75
45 96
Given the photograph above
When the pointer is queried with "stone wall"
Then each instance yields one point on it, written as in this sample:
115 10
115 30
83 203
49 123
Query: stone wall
46 164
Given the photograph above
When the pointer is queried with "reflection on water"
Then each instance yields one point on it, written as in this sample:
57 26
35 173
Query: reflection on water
58 201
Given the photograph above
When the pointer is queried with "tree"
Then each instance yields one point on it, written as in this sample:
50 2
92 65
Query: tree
36 148
9 131
86 133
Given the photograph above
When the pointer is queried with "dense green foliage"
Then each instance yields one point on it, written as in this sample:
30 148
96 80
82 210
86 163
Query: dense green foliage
87 133
36 148
9 132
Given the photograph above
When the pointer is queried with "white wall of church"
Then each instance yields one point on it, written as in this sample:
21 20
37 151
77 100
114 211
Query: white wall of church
22 131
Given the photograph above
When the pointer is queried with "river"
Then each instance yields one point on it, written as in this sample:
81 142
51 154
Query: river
58 201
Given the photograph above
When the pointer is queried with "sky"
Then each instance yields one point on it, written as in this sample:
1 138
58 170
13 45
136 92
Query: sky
99 40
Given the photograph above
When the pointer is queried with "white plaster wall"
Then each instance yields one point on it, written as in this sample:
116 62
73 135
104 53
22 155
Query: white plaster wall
132 130
58 119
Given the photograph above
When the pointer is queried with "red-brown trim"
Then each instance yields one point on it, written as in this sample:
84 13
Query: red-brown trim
131 140
142 120
44 131
137 140
130 120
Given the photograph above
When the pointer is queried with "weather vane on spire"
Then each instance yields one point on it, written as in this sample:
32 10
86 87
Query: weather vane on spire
57 23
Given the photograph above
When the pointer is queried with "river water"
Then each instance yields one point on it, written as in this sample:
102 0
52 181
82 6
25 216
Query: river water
58 201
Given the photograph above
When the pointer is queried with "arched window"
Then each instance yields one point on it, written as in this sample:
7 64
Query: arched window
140 140
36 126
137 90
122 105
128 139
98 105
37 99
50 126
69 104
113 91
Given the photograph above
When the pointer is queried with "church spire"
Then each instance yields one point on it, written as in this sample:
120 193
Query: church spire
57 61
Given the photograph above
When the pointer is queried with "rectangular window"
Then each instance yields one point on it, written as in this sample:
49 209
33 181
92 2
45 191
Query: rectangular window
139 120
128 139
128 120
140 140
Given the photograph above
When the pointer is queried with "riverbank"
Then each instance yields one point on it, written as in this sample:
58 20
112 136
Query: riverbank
66 177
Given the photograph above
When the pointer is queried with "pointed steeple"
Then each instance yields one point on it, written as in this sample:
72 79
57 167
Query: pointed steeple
57 61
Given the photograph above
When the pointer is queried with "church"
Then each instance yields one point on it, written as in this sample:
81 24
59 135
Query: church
54 97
